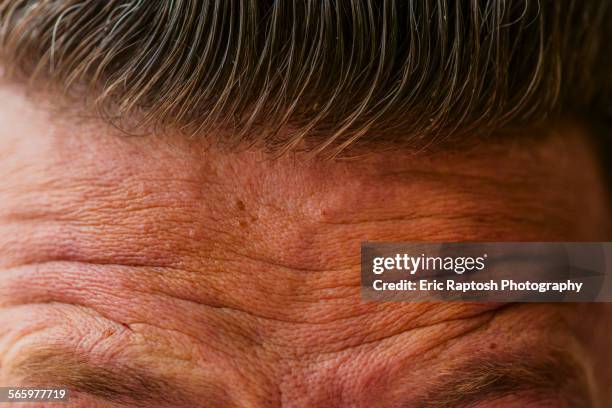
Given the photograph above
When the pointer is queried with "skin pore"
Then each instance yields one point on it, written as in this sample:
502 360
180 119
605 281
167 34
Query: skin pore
140 269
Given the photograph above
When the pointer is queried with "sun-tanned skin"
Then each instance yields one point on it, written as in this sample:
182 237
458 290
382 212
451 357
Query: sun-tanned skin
219 279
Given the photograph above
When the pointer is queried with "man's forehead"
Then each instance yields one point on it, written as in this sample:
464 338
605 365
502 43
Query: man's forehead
286 210
81 193
159 247
173 351
275 239
213 257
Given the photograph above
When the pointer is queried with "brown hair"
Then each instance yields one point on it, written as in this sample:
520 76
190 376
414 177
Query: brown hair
321 72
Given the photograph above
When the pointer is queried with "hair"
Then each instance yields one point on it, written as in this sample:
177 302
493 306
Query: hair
56 366
316 73
502 374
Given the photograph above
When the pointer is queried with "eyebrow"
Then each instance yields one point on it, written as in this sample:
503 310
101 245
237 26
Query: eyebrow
488 377
59 366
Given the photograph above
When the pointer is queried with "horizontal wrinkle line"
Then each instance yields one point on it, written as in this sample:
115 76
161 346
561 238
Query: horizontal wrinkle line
479 314
285 266
441 216
246 312
297 322
185 299
102 207
125 327
196 339
519 179
402 218
63 261
122 326
164 267
492 312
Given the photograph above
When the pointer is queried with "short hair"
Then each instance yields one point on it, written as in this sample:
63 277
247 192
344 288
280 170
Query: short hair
317 73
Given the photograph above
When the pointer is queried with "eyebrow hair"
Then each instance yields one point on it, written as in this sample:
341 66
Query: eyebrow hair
281 73
483 377
488 376
59 366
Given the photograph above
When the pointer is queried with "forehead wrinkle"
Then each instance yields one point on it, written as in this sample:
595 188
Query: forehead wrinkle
128 209
297 348
293 344
529 334
251 317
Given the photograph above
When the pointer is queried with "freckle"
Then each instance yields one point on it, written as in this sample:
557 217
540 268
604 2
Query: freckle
243 224
240 205
492 346
108 332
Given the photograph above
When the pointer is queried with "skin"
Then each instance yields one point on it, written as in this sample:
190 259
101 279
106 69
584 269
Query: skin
234 277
